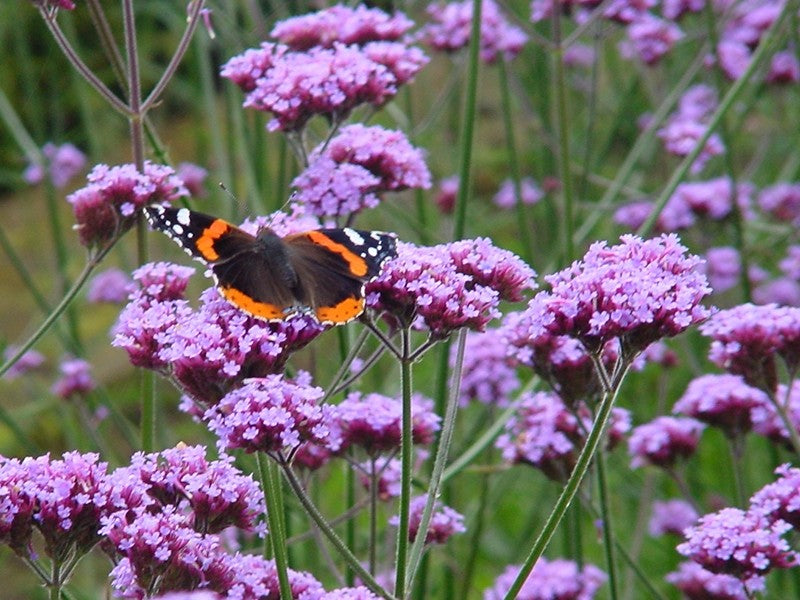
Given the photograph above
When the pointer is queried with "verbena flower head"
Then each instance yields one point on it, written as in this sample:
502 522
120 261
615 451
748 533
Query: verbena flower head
724 401
208 351
723 268
680 136
637 292
110 286
193 177
450 25
30 361
676 215
323 81
782 291
747 339
445 198
387 473
446 287
780 499
487 375
652 37
561 361
61 164
506 197
107 206
738 543
557 578
213 494
272 414
373 421
193 595
698 584
64 499
445 521
339 23
161 553
781 201
257 577
247 68
355 167
712 198
403 61
784 68
664 440
356 593
767 421
75 380
546 435
671 516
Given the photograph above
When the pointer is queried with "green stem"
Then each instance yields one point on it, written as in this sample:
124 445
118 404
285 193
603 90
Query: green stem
406 456
344 552
468 123
442 451
763 50
569 491
277 535
608 544
560 94
513 163
373 514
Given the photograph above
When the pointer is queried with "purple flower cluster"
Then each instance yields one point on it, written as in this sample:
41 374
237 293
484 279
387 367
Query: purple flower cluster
108 205
359 26
780 499
61 163
723 401
445 198
651 37
193 177
671 516
767 421
208 351
698 584
450 26
739 543
332 61
373 422
748 338
685 127
781 201
443 288
637 292
212 495
487 375
529 192
548 436
723 268
348 174
63 499
110 286
664 440
273 414
30 361
673 217
743 30
75 380
445 521
549 579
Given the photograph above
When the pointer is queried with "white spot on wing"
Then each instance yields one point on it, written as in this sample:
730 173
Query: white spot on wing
353 236
184 216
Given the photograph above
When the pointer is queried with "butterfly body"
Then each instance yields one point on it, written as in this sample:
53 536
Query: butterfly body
321 272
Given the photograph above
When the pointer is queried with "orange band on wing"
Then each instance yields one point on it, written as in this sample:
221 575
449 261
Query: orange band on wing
205 243
254 307
356 264
347 310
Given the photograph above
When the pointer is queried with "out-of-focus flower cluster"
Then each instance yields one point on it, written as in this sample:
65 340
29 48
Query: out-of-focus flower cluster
557 578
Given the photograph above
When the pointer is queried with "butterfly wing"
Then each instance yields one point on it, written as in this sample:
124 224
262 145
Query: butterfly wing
332 266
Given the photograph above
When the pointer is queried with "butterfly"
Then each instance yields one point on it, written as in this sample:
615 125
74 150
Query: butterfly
321 272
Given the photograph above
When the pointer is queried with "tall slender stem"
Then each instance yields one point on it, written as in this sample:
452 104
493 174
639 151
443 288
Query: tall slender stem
468 122
560 93
406 446
608 542
277 534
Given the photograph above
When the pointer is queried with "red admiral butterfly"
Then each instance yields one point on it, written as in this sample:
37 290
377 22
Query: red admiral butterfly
320 272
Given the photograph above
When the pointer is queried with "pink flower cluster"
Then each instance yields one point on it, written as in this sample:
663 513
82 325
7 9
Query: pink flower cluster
529 193
637 292
664 440
108 205
333 61
487 374
445 521
350 172
442 288
545 434
450 27
557 578
208 351
61 164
